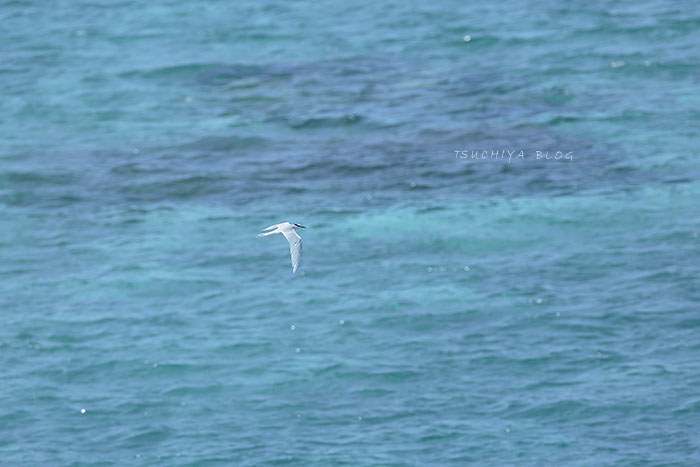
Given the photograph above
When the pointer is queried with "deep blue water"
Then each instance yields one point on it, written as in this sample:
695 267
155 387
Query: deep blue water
449 309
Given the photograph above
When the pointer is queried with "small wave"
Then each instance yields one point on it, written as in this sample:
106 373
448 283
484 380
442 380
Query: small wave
210 74
223 143
30 178
325 122
181 188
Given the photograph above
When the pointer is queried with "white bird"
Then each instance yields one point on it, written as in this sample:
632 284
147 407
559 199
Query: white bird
289 231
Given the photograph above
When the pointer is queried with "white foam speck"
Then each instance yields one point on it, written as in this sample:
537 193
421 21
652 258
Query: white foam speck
617 64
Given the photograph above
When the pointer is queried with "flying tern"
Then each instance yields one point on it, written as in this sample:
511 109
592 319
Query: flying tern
289 231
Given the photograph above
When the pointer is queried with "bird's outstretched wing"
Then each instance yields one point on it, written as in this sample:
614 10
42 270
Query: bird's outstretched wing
294 247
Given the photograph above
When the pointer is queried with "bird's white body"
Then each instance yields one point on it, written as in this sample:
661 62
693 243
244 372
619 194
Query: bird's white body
289 231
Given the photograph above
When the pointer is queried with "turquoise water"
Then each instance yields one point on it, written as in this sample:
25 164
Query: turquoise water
449 310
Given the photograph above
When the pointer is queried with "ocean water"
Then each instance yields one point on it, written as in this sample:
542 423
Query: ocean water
452 308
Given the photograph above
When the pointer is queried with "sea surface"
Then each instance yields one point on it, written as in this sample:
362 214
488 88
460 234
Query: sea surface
463 299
